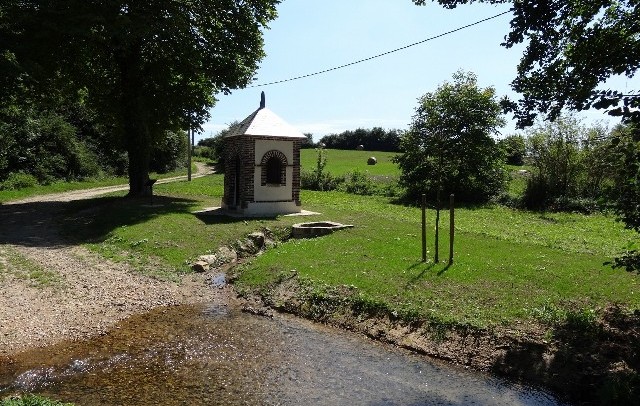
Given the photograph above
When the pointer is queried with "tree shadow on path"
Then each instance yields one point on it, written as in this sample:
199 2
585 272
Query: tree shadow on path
57 224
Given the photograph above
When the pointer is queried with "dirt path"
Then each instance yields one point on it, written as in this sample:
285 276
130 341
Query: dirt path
50 290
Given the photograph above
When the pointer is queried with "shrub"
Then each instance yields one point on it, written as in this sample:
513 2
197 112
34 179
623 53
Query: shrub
170 152
318 179
359 183
514 149
311 181
31 400
18 180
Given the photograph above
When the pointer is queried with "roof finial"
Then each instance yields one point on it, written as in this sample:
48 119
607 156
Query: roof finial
262 101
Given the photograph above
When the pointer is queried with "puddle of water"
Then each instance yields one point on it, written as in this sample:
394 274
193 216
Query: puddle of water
218 280
217 355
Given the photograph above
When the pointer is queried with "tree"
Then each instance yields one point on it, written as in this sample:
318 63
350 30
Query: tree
216 145
375 139
148 68
514 149
626 144
573 46
625 147
308 141
554 150
449 146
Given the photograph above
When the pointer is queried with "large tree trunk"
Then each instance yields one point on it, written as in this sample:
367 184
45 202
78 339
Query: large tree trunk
139 152
134 120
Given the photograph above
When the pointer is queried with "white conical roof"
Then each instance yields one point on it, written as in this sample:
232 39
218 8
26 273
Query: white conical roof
265 123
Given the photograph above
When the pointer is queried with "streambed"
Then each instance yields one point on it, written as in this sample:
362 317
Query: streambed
215 354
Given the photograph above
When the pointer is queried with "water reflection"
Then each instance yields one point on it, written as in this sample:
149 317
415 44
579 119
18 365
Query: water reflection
216 355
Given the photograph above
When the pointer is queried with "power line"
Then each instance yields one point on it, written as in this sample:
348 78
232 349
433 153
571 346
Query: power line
382 54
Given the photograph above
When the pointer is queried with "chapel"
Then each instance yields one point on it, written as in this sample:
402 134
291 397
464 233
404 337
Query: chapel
262 166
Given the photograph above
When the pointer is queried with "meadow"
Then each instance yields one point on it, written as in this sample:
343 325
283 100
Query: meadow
341 162
510 266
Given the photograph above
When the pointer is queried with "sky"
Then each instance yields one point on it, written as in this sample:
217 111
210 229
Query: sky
311 36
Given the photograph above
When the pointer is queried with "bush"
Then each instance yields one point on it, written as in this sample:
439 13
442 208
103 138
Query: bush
311 181
49 148
514 149
535 195
170 152
31 400
18 180
359 183
318 179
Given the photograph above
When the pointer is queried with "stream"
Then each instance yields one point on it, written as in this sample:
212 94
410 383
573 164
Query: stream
215 354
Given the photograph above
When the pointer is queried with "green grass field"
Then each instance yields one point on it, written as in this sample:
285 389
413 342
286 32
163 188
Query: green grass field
510 266
341 162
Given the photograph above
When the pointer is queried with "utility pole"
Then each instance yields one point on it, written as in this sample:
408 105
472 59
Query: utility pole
189 143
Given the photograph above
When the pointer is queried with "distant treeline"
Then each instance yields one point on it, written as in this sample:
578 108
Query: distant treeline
375 139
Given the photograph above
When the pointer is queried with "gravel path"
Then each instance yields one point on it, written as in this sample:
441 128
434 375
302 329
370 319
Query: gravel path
87 295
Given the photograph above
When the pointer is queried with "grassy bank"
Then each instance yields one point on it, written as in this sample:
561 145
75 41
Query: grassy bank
64 186
510 266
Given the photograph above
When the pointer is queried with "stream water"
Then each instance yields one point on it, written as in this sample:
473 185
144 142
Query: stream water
193 355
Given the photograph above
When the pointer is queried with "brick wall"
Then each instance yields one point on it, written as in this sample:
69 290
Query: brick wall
296 172
243 148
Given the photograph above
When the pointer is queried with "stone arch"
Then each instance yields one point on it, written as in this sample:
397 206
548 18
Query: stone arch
273 168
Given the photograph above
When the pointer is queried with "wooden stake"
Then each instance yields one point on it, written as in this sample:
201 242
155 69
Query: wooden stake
424 228
436 258
451 227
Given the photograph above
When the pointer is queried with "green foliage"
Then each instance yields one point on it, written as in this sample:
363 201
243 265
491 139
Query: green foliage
572 167
170 152
514 149
18 180
625 147
572 46
142 72
449 146
359 183
308 142
554 151
31 400
375 139
44 145
215 146
326 181
318 178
